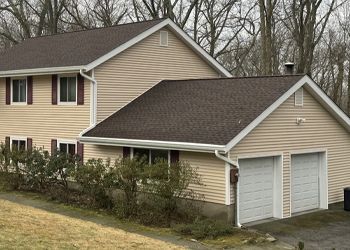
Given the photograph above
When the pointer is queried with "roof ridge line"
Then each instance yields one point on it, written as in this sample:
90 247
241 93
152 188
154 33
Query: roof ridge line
227 78
96 28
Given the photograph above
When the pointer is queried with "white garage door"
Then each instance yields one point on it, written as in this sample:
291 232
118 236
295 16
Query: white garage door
256 189
305 179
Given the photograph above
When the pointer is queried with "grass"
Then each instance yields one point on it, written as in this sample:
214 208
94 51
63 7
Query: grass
25 227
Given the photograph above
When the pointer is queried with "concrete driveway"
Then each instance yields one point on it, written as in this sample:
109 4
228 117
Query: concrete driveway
324 229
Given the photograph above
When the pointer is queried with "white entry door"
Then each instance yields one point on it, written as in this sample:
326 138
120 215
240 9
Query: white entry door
256 183
305 182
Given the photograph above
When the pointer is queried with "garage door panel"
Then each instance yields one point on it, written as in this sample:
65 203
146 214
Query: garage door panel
256 189
305 182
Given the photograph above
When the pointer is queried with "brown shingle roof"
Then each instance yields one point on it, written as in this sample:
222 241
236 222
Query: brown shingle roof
70 49
209 111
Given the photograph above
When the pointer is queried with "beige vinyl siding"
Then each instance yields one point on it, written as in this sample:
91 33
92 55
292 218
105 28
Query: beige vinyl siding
129 74
43 121
103 152
280 133
212 172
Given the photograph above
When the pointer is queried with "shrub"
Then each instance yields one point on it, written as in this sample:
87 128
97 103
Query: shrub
35 169
169 193
95 180
5 158
60 170
128 175
204 229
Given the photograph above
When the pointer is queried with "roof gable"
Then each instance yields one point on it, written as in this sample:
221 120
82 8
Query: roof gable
85 50
206 111
70 49
203 114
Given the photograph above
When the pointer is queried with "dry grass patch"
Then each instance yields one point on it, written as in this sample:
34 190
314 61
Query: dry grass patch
30 228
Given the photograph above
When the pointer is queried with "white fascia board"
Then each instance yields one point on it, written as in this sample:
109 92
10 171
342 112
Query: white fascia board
266 113
179 32
314 90
183 146
41 71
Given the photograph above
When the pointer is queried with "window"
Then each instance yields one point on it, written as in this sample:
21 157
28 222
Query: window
68 89
19 91
298 97
151 156
18 144
163 38
66 147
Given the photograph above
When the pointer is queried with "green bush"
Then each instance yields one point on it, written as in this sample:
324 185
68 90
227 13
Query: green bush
169 193
35 169
129 176
95 180
204 229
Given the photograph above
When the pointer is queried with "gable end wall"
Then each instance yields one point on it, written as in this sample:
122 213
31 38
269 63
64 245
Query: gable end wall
280 133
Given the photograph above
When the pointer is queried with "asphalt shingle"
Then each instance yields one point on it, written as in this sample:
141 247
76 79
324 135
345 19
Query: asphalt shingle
210 111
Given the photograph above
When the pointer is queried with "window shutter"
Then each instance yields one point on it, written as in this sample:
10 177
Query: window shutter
80 151
174 156
30 90
53 146
29 144
80 100
126 152
8 90
54 89
7 142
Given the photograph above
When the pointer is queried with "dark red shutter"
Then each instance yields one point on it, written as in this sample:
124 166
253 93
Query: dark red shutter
29 144
30 90
53 146
80 151
126 152
7 142
174 156
80 100
54 89
8 90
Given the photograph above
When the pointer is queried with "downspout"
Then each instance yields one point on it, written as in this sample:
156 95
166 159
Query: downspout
93 101
235 166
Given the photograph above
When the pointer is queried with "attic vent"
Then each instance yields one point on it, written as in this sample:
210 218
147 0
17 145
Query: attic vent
298 97
164 38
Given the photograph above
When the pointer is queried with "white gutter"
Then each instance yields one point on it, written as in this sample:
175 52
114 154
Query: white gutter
153 144
40 71
93 98
235 165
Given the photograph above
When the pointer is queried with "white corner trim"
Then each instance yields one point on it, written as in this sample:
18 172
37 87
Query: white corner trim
41 71
167 22
150 144
314 90
227 184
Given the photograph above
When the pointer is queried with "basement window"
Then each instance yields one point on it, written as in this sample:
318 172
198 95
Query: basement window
299 97
164 38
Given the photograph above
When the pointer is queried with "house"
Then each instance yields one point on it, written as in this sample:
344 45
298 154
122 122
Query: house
147 88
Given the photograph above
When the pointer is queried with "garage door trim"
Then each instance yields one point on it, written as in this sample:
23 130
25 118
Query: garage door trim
323 176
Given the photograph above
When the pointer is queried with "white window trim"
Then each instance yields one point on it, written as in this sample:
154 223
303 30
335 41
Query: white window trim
65 141
302 97
11 97
18 138
59 90
149 154
160 38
